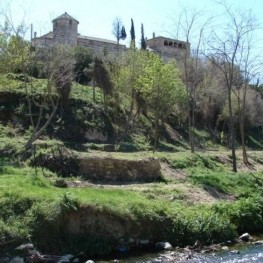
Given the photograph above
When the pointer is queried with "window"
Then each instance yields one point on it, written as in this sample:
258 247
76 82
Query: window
70 22
170 43
165 42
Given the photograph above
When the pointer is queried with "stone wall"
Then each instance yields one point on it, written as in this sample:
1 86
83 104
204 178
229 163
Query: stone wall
112 169
169 48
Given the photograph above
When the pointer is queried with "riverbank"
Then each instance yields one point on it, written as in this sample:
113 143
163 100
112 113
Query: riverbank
198 198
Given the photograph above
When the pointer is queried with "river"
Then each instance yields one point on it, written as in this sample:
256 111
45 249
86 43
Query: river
246 254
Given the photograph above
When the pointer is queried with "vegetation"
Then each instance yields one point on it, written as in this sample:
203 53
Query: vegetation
138 106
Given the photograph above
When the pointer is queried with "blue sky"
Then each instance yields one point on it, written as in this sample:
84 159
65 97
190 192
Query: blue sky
96 16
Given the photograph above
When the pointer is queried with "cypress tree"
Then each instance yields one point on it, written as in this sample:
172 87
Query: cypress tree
123 33
143 42
132 34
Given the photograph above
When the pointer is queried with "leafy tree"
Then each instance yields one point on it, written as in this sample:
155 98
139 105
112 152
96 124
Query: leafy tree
143 42
83 58
162 88
129 71
15 55
100 77
132 31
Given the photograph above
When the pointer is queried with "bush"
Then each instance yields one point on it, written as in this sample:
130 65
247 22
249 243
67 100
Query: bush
245 214
203 225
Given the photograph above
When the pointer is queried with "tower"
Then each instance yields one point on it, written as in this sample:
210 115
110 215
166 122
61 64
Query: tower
65 30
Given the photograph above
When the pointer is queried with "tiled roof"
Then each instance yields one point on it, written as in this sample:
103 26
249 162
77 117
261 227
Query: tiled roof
98 39
65 16
48 35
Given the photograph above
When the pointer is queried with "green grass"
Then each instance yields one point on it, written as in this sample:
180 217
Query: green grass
39 86
30 200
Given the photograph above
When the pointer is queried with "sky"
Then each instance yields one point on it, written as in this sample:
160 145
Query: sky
96 16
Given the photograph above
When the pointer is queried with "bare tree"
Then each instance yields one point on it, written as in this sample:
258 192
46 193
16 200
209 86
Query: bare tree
190 28
118 29
229 53
58 70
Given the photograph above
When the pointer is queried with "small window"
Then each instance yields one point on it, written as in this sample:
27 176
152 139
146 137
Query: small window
170 43
70 22
165 42
180 45
175 44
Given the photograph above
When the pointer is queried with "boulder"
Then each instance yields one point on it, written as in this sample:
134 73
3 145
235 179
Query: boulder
235 252
225 248
163 246
258 242
245 237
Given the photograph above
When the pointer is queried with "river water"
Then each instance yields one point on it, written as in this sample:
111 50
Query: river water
247 254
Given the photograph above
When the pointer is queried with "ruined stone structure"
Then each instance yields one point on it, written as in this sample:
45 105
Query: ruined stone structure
169 48
65 32
112 169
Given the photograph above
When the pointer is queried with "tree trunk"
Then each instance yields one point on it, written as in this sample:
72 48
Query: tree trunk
94 91
241 115
190 128
232 132
38 132
156 132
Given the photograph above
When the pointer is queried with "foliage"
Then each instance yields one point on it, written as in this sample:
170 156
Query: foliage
161 87
132 32
83 58
118 29
246 213
15 56
143 42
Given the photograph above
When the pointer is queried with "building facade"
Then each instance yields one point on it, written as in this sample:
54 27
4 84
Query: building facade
169 48
65 32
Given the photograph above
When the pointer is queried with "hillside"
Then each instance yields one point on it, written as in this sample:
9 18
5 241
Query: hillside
83 186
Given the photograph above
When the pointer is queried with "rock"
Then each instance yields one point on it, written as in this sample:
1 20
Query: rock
17 260
25 246
245 237
144 242
196 245
4 259
66 258
225 248
235 252
258 242
163 246
122 249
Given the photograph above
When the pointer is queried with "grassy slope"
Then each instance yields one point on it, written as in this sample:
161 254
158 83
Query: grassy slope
29 199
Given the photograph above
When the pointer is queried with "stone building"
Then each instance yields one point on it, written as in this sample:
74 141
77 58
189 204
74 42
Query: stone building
65 32
169 48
